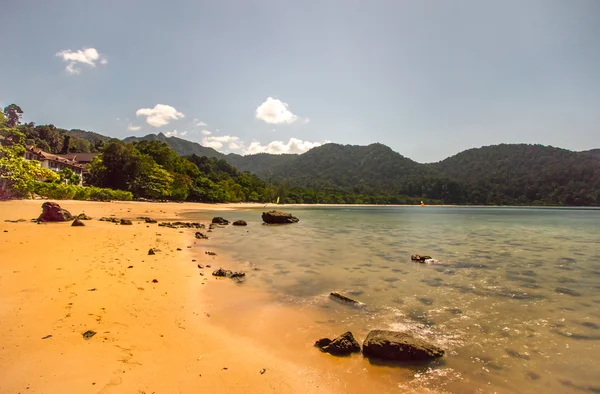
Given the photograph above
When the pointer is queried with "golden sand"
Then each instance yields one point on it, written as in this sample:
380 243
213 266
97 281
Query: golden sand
186 333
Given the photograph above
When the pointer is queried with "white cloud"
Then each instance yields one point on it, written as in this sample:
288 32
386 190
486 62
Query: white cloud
160 115
294 145
232 142
89 56
133 128
275 111
206 132
176 133
199 123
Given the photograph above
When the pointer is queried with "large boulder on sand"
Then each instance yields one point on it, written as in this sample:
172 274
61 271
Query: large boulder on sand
240 223
278 217
52 212
343 345
219 220
399 346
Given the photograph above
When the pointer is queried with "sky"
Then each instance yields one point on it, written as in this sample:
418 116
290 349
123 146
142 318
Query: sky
427 78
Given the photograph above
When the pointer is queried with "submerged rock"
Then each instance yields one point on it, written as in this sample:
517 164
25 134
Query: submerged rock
343 345
240 223
77 223
343 298
278 217
126 222
182 225
219 220
564 290
399 346
52 212
420 258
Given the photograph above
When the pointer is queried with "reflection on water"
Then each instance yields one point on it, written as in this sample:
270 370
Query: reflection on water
513 296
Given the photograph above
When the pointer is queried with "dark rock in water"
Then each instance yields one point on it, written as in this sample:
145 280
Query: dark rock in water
126 222
343 345
278 217
343 298
151 252
52 212
88 334
77 223
154 280
219 220
199 235
149 220
83 216
208 252
211 226
399 346
420 257
240 223
228 273
564 290
222 272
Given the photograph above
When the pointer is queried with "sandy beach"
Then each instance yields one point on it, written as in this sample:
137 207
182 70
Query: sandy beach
186 333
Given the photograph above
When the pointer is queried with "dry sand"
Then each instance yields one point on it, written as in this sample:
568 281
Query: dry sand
184 334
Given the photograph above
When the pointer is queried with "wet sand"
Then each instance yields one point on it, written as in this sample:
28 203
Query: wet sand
186 333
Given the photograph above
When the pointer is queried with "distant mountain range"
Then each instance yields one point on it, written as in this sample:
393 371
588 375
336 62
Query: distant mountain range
499 174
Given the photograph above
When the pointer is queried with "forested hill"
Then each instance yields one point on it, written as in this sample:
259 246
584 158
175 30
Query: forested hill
179 145
516 174
521 174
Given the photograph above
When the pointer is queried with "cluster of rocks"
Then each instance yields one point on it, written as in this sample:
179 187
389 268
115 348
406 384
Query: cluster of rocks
199 235
384 345
228 273
182 225
278 217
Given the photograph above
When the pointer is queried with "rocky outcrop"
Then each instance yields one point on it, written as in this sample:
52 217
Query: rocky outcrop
83 216
77 223
52 212
219 220
278 217
343 345
421 258
343 298
240 223
126 222
399 346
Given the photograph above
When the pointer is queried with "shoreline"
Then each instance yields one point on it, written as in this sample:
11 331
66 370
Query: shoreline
183 334
61 281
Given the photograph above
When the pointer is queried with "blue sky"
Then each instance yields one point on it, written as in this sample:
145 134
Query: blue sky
427 78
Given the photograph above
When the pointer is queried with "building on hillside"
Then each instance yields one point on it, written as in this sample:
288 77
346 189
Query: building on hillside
81 158
55 162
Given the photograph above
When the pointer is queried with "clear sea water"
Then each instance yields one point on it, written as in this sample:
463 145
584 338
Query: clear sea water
513 298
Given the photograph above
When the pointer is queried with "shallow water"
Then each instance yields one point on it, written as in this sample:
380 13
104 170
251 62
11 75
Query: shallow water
513 297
